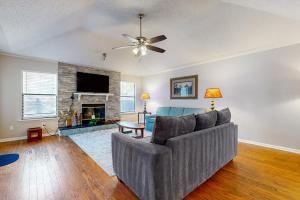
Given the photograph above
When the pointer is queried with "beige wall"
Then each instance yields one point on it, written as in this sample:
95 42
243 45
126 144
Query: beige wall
262 90
11 69
139 103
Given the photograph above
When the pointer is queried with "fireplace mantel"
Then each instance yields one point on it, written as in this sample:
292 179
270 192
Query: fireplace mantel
79 94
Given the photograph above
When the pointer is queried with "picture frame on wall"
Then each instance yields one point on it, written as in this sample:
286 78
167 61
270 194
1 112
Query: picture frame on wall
184 87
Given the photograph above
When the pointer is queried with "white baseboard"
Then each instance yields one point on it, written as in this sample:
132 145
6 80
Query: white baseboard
21 138
271 146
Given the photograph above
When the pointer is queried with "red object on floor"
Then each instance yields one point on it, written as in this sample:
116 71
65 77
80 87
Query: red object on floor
34 134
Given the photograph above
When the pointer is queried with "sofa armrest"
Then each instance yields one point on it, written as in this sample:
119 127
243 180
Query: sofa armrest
150 116
144 167
197 156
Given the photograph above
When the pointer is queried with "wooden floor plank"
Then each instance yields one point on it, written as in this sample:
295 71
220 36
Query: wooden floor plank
56 168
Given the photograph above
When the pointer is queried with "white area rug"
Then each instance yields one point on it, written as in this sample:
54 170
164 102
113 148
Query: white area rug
98 146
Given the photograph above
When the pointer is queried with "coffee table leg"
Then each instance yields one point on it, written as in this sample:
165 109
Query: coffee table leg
142 132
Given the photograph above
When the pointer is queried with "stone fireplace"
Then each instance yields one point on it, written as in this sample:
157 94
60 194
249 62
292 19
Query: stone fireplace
105 109
93 113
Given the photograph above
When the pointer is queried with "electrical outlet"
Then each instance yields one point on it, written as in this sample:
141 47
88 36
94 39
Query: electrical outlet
11 127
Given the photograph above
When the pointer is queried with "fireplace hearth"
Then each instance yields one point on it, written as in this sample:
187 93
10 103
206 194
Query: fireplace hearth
93 114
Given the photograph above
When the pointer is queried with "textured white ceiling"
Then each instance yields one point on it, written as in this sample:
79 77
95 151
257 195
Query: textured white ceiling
78 31
285 8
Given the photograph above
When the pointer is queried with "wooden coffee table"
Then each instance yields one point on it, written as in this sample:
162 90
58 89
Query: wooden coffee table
131 125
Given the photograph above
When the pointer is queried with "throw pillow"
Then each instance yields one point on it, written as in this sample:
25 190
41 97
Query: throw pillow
166 127
224 116
206 120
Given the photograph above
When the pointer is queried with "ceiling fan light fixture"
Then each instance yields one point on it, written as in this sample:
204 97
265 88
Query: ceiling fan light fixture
142 44
143 50
135 51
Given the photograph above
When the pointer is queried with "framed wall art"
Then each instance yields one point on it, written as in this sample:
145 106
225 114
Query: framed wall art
184 87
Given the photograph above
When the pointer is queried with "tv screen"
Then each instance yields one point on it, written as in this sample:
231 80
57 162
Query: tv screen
94 83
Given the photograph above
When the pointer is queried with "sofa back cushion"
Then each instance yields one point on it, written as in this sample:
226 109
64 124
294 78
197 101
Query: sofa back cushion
189 111
168 127
224 116
176 111
163 111
206 120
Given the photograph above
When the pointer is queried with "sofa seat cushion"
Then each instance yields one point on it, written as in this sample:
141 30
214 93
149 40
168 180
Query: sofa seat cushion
176 111
206 120
224 116
168 127
163 111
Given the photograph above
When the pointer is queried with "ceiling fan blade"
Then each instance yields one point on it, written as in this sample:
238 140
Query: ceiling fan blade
153 48
130 38
157 39
123 47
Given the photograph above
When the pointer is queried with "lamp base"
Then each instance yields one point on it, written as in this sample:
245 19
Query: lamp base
212 104
145 107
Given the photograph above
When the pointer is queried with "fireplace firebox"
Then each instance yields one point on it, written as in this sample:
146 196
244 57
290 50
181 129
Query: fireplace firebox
93 114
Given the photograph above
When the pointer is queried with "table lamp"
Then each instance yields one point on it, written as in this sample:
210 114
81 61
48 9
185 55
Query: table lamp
145 97
213 93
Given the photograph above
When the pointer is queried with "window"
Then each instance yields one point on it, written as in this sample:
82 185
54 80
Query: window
39 95
127 96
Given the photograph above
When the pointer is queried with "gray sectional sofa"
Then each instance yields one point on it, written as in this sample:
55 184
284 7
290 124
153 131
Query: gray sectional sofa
174 169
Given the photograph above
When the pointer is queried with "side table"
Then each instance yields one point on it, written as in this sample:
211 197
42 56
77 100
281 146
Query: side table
143 113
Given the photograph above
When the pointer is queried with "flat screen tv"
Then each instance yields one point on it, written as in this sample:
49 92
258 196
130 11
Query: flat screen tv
93 83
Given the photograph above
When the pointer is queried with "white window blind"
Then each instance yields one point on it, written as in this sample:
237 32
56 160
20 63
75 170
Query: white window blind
39 95
127 96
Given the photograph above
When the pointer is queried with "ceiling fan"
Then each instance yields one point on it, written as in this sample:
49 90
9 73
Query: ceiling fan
141 44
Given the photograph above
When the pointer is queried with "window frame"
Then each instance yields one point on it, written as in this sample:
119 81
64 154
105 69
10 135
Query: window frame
24 94
134 97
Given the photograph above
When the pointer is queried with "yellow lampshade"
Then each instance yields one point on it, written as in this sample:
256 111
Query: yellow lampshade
145 96
213 93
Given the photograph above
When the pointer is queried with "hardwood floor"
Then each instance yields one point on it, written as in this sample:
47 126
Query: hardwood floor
55 168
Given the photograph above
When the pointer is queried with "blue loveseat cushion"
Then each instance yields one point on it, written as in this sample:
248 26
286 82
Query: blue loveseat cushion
163 111
176 111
